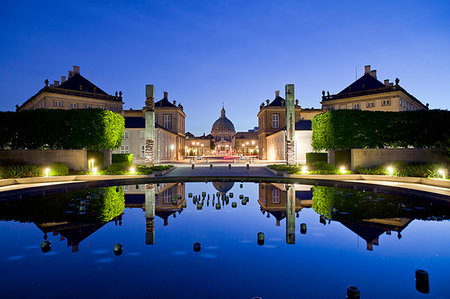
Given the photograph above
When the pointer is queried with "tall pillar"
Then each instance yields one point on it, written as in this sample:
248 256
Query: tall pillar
290 125
150 140
149 214
290 214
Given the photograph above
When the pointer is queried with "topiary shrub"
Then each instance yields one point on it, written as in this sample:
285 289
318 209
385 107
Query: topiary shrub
122 158
58 169
316 157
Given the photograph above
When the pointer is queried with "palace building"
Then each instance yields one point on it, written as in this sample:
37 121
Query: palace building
367 93
222 132
76 92
169 129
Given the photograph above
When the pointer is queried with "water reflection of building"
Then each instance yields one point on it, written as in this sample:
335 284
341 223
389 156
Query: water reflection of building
273 199
74 233
223 187
370 230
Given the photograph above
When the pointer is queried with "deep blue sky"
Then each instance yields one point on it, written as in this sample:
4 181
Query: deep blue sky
237 52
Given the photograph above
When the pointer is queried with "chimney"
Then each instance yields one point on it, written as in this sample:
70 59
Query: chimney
55 83
165 94
386 82
174 102
367 69
70 74
76 69
267 101
63 78
373 73
277 94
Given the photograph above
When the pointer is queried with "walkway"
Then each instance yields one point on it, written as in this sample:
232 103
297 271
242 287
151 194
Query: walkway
222 171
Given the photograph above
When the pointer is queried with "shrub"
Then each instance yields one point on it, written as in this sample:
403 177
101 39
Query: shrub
93 129
117 168
378 170
284 167
321 167
404 169
122 158
160 167
21 171
142 169
58 168
315 157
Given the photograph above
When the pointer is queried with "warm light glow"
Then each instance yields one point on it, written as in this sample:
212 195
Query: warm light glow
256 146
243 145
304 169
132 170
342 169
390 170
91 163
246 143
442 172
172 146
94 171
198 143
253 143
47 171
202 144
193 143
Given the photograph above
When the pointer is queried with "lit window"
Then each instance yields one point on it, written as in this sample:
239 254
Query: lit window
57 103
142 134
275 195
275 120
167 121
400 102
142 151
125 134
124 149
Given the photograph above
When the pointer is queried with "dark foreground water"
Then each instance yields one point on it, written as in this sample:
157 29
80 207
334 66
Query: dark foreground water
373 241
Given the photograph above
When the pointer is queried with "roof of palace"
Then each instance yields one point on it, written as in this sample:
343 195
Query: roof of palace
246 135
164 102
223 124
76 85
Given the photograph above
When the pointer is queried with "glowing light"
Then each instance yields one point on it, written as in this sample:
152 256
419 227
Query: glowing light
202 144
198 143
47 171
94 171
390 170
132 170
172 146
442 172
253 143
342 169
193 143
256 146
91 163
304 169
246 143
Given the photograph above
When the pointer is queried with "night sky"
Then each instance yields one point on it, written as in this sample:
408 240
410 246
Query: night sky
236 52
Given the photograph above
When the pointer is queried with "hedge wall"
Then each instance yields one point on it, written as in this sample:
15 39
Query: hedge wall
93 129
346 129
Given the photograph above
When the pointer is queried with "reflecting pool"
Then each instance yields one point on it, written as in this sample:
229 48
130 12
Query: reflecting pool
223 240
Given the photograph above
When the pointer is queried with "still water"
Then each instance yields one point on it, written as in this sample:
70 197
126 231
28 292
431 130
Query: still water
316 242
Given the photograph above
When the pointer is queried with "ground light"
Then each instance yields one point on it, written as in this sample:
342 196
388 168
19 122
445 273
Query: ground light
304 170
132 170
94 171
342 169
91 163
390 170
442 172
47 171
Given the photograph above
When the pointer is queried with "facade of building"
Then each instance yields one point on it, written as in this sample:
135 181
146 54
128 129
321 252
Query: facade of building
367 93
169 130
276 143
74 93
272 117
199 146
246 143
222 132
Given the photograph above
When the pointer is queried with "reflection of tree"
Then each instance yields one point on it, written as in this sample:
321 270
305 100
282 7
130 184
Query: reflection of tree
89 206
346 204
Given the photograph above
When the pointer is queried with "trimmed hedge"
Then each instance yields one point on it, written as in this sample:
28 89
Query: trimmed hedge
93 129
404 169
316 157
122 158
15 171
347 129
58 169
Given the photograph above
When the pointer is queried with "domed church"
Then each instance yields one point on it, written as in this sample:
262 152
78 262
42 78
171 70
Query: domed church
223 131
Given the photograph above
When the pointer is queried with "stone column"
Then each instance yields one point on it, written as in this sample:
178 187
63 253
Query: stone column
150 140
290 214
149 214
290 125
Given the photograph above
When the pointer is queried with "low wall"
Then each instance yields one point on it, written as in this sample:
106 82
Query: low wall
383 156
75 159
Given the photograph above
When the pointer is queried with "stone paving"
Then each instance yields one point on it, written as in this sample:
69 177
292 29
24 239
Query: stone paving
204 170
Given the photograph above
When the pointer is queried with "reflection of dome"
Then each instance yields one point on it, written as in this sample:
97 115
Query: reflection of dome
223 187
223 127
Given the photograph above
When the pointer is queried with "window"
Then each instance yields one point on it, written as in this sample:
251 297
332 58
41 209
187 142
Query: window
124 149
87 106
275 195
167 196
125 134
386 103
167 121
142 151
356 106
73 105
275 120
370 104
400 102
113 109
57 103
125 187
142 134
